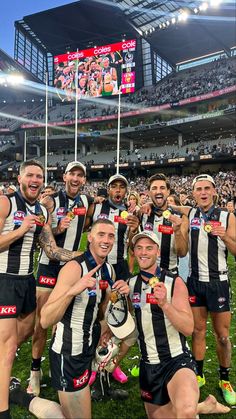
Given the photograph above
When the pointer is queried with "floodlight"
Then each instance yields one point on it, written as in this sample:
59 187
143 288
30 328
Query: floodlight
14 79
203 7
173 20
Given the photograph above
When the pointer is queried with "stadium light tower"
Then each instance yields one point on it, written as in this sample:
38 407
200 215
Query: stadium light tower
76 104
46 130
118 134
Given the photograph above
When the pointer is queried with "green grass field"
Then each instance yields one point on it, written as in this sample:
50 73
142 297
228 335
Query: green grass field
133 407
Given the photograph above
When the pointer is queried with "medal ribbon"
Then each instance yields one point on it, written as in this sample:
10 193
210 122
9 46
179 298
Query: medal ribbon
206 215
121 207
77 201
104 269
149 275
38 209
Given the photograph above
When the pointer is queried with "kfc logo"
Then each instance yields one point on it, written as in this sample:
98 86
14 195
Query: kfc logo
146 395
6 310
83 379
45 280
192 299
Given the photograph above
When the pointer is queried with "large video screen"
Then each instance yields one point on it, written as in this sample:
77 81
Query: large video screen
102 71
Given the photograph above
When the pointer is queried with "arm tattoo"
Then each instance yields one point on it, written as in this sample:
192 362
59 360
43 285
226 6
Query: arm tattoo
48 244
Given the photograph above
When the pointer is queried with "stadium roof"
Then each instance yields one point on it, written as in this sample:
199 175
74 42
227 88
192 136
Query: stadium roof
87 22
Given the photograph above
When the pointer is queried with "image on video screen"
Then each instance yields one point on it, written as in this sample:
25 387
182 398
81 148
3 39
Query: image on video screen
102 71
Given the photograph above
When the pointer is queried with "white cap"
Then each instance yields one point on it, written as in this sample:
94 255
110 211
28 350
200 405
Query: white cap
2 187
203 177
12 187
117 177
73 164
146 235
119 318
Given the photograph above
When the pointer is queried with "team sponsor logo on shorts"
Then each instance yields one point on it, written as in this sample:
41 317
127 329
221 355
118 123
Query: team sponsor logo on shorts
83 379
46 280
61 212
195 223
146 395
18 217
6 310
148 227
103 217
192 299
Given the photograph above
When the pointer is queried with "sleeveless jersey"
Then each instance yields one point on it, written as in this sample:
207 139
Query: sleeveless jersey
18 259
168 258
157 337
70 238
208 253
74 333
119 249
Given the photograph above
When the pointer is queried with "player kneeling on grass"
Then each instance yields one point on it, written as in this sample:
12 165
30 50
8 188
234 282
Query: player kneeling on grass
163 315
75 304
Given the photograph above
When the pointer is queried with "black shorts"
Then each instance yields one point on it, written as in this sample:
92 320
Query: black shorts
46 276
214 295
71 373
17 295
122 270
153 378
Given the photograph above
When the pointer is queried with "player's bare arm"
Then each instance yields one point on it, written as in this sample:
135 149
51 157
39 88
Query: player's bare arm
180 227
7 239
228 236
48 244
69 284
178 311
89 217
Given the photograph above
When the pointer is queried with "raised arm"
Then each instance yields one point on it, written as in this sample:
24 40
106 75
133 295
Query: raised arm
180 227
7 239
69 284
228 236
178 310
48 244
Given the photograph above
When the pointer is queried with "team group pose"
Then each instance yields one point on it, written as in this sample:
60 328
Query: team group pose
73 291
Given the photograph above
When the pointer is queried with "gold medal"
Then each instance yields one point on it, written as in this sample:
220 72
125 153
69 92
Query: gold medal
153 281
41 219
207 228
124 214
166 214
71 215
114 296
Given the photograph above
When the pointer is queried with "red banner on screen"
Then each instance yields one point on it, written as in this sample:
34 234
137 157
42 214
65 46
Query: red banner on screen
102 71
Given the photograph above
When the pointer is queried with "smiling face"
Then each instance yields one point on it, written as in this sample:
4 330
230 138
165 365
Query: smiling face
31 182
159 193
101 239
203 193
117 191
146 253
74 180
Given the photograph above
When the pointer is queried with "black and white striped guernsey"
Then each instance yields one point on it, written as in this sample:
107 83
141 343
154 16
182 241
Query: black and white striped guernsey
74 333
168 258
18 259
107 211
208 253
70 238
157 337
